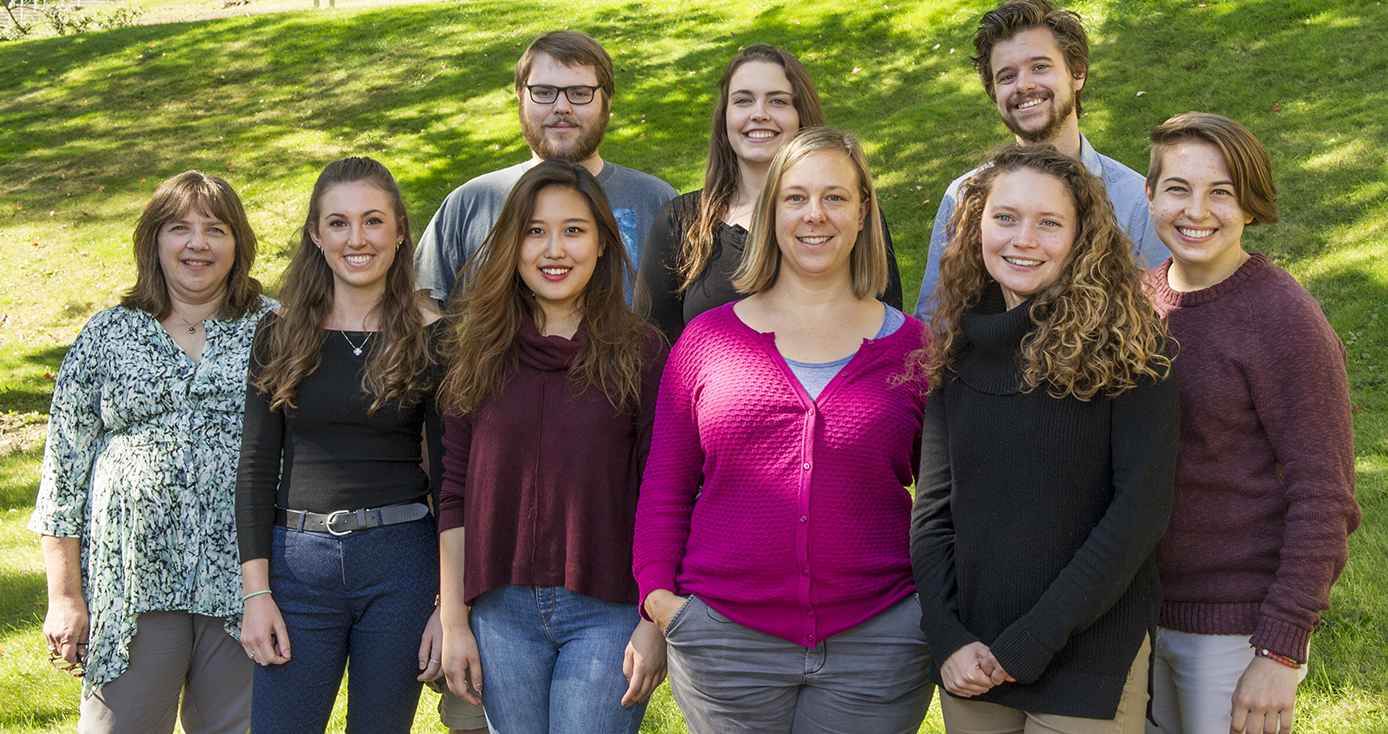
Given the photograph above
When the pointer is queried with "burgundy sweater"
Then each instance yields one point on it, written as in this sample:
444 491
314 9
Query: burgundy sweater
1264 497
545 479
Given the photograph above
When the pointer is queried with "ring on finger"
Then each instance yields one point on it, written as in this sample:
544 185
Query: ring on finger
433 660
252 654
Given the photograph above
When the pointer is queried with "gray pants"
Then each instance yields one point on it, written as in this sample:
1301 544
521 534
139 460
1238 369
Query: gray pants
175 653
727 678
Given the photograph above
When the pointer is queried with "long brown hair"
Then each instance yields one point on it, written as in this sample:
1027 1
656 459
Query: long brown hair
1096 329
761 261
402 350
494 302
212 197
723 176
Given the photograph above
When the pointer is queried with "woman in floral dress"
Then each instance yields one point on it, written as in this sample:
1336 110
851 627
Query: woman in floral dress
135 506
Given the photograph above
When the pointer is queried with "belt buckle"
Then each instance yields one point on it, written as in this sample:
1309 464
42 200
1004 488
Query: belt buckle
328 524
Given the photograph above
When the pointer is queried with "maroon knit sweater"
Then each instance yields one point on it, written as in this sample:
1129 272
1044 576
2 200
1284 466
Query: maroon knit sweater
1264 496
546 479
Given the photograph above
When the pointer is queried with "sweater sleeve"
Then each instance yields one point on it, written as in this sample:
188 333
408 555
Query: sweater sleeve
674 473
1144 429
1297 380
893 295
932 539
262 448
456 451
658 294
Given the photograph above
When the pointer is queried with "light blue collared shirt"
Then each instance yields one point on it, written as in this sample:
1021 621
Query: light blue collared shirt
1126 191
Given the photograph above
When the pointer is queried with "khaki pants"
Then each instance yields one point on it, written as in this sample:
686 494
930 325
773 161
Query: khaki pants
963 716
175 655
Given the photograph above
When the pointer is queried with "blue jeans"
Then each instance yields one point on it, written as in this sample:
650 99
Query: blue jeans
552 661
366 597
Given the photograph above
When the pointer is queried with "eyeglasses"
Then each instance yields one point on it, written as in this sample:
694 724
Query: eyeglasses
77 669
579 94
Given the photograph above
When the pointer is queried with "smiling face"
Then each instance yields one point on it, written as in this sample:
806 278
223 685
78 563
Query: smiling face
558 253
1028 228
1034 90
1196 213
196 253
819 212
358 231
562 129
761 111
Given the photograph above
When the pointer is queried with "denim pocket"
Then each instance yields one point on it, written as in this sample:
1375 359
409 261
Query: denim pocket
679 616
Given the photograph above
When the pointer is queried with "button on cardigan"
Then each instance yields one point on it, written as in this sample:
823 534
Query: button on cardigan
788 515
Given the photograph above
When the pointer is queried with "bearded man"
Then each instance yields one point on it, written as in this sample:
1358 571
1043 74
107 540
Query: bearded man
1033 59
564 87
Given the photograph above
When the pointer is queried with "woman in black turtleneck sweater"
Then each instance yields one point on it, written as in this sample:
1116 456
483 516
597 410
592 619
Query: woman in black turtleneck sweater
1047 457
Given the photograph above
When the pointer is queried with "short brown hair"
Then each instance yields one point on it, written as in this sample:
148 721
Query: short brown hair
1017 16
1246 158
570 48
212 197
761 260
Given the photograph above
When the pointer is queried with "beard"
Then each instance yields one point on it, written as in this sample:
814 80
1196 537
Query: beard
1060 112
582 148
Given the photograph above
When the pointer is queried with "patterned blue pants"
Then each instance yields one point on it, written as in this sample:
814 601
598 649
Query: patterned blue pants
363 597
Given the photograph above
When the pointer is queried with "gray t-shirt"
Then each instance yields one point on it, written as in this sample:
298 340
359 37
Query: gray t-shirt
465 218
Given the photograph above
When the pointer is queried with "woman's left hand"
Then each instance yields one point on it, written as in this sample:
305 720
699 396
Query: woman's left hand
431 649
1265 698
644 663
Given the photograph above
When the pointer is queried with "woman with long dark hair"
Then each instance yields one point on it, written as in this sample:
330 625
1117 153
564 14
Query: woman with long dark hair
550 395
337 543
697 240
1046 457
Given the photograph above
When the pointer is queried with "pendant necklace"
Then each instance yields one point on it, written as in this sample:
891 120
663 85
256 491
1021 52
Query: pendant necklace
186 322
356 349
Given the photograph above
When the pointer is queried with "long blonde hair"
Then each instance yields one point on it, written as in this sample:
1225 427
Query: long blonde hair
1096 331
493 301
402 352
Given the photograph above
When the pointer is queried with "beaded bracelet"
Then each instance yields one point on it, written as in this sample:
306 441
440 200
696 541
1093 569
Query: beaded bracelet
1263 652
254 593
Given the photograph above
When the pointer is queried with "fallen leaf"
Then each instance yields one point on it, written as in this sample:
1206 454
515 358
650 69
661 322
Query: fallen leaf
1276 107
1140 93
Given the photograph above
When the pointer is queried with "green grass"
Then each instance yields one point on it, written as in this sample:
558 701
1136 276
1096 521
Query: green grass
90 124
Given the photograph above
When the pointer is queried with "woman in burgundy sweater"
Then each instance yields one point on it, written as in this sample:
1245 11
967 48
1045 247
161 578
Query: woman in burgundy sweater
549 400
1264 497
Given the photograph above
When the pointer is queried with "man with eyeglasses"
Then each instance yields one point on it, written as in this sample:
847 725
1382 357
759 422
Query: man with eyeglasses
564 83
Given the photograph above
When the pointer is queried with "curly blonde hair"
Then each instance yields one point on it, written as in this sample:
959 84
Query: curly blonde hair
1096 329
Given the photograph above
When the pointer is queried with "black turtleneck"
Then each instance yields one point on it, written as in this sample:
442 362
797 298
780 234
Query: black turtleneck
1035 522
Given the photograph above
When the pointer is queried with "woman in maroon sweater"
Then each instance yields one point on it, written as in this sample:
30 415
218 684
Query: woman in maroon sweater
549 403
1264 497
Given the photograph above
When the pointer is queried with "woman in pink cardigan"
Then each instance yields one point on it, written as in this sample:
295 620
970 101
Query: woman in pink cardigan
772 529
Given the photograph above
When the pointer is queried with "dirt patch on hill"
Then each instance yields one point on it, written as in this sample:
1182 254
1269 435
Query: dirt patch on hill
19 432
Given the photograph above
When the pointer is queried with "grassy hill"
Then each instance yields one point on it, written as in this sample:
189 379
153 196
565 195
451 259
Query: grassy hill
91 123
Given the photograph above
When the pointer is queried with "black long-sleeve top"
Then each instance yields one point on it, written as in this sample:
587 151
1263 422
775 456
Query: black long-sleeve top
335 457
1035 522
658 279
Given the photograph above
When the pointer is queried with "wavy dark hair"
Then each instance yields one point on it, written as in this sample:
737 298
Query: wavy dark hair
212 197
722 178
494 301
1011 18
1096 329
401 353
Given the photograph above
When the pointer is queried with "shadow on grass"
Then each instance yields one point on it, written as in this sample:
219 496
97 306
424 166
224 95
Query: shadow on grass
23 600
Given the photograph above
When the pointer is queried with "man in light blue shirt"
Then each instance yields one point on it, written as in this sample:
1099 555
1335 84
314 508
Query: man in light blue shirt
1033 60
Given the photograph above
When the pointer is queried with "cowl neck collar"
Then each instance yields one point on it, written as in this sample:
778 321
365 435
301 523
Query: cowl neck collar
994 335
548 353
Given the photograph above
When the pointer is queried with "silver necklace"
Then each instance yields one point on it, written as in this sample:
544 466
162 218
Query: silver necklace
186 322
356 349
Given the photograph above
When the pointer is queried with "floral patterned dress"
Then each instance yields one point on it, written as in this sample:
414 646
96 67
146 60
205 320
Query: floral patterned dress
141 465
